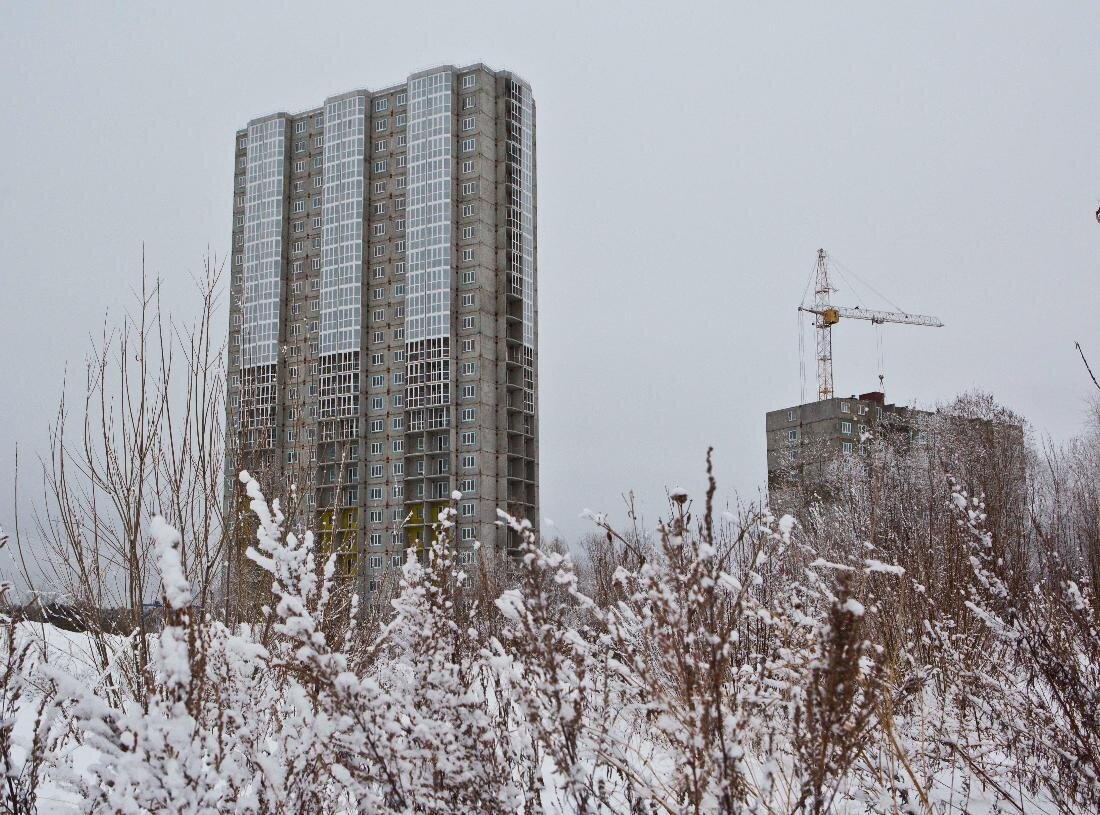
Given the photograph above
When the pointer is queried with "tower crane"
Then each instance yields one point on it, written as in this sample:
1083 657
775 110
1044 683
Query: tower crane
828 315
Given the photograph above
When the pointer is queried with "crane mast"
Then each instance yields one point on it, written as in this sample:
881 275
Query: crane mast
827 315
822 289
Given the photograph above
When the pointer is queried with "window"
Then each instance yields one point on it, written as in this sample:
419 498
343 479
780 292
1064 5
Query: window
401 181
468 123
402 139
378 293
401 98
469 145
467 533
319 141
382 125
298 206
468 322
292 457
377 403
300 165
398 423
376 448
846 446
378 229
316 162
469 276
469 232
845 427
467 166
792 435
399 290
790 415
468 414
375 494
318 181
315 264
377 425
466 510
399 267
469 80
468 437
466 485
300 146
376 540
381 104
468 210
469 391
379 187
468 102
376 471
376 516
378 273
469 187
380 146
377 336
845 407
380 166
469 368
379 250
467 300
376 561
468 345
377 381
402 160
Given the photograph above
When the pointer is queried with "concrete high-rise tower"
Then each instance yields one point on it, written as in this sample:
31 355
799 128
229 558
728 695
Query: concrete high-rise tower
383 325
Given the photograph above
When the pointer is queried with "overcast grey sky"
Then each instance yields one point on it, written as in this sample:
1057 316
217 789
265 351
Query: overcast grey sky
691 159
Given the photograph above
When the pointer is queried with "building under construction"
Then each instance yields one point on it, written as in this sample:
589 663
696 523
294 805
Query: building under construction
803 440
807 442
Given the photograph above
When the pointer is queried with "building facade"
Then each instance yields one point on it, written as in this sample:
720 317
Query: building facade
984 447
804 440
383 338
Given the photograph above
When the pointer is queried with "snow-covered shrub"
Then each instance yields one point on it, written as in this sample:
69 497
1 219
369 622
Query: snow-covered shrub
735 664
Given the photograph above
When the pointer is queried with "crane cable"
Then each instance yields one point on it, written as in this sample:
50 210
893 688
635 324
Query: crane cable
880 346
844 269
802 339
801 358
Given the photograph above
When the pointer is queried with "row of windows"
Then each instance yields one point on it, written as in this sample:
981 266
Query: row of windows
380 166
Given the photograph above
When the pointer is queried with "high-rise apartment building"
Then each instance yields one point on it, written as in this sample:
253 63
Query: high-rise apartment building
383 329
